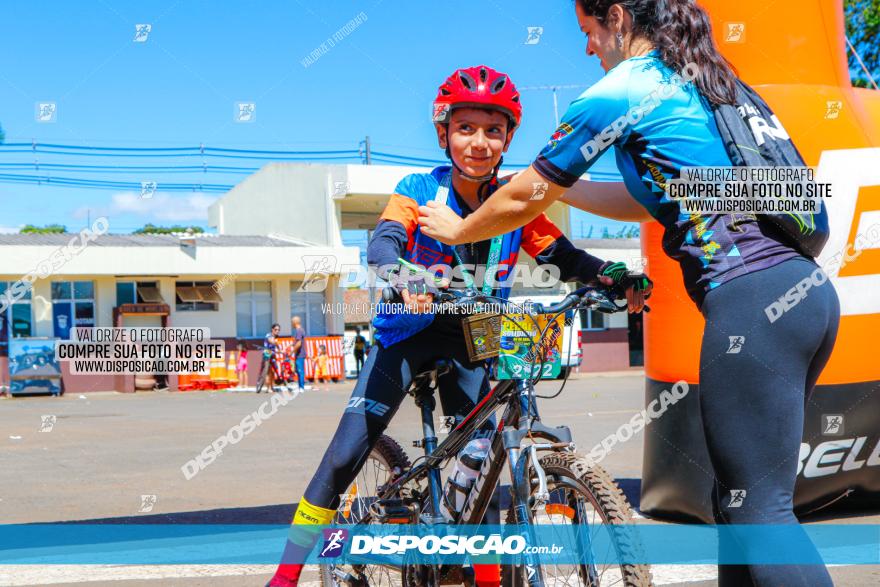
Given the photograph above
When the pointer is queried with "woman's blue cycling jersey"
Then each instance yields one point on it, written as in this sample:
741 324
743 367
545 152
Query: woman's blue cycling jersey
659 123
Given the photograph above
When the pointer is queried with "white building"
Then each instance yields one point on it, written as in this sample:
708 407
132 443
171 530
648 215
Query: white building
273 228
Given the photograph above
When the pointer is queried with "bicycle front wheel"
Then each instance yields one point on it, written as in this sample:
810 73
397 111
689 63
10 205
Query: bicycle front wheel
386 461
583 493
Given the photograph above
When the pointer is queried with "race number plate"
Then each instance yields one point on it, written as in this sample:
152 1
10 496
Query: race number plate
520 345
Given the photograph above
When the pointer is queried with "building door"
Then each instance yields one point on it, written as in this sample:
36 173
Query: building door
62 319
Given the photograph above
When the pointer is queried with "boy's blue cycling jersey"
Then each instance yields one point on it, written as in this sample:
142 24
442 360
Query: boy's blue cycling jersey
417 190
540 239
659 123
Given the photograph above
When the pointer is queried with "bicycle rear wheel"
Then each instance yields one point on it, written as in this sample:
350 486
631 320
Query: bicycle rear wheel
386 461
583 493
261 380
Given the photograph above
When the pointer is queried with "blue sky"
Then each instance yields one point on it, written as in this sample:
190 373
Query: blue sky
179 88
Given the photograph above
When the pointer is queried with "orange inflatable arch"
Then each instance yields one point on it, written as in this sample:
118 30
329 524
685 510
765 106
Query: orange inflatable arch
794 53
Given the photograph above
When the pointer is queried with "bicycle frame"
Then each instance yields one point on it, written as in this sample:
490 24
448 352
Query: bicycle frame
520 420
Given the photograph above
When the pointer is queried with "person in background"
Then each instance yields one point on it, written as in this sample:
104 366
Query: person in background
287 368
360 349
241 365
322 372
267 369
299 351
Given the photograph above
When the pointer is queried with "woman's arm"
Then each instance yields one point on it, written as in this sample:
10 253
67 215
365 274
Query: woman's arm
608 199
512 206
523 199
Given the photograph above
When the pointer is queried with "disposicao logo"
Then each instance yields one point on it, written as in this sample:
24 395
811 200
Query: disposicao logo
334 542
470 545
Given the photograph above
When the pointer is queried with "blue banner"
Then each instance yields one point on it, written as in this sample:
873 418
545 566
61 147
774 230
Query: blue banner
399 544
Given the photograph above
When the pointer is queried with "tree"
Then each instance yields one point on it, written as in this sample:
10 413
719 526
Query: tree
2 135
48 229
863 31
153 229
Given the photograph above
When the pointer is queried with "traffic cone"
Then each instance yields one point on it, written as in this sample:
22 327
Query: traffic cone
202 379
184 381
231 374
218 374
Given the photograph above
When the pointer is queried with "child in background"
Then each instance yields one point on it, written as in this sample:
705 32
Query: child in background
288 367
322 372
241 365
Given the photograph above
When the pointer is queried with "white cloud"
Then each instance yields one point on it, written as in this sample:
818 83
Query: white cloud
161 206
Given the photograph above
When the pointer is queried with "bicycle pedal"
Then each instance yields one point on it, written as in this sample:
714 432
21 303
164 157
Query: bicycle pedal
396 511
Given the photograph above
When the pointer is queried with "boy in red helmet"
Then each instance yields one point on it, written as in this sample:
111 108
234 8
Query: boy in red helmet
476 113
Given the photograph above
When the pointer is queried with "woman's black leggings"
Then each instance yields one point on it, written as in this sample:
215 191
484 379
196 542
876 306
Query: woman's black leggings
758 367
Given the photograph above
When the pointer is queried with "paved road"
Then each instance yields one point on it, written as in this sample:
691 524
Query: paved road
107 450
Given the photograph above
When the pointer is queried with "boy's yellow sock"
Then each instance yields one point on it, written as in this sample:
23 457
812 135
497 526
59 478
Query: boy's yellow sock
307 521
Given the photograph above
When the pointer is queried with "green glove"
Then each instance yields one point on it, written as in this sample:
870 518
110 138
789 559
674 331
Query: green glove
618 272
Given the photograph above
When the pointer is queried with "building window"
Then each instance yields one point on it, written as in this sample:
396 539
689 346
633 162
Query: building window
308 305
593 320
253 308
73 305
138 292
195 296
126 292
18 316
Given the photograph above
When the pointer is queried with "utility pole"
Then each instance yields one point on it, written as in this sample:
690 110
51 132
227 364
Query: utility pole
554 89
367 154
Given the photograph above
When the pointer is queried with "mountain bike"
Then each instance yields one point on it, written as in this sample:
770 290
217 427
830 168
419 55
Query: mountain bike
550 482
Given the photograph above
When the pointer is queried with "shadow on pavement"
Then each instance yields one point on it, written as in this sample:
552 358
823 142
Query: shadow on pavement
281 513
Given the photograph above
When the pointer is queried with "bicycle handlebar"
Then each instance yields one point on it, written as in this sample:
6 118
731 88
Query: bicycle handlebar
565 304
599 299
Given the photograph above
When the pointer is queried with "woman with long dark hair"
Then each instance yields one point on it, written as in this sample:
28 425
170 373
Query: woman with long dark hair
654 106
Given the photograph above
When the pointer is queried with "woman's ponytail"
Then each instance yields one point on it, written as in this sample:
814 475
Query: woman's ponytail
682 34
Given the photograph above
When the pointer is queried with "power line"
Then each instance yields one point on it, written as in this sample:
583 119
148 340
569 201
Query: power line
77 168
199 149
111 185
206 154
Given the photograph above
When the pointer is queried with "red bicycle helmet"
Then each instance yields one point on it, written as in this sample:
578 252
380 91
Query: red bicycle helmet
480 87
